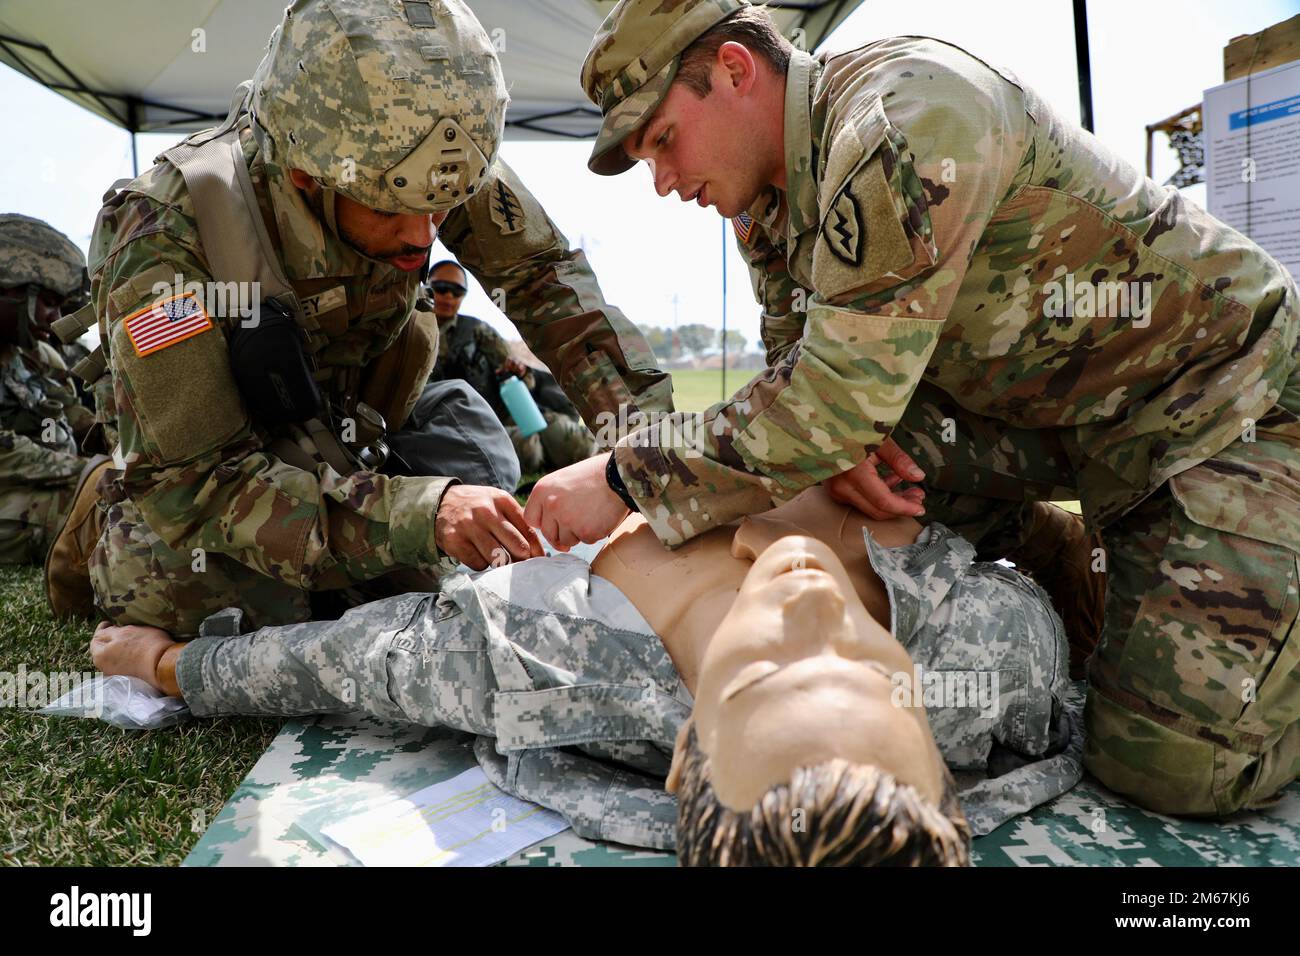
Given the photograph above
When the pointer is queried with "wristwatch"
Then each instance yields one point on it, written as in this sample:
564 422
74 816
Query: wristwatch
615 482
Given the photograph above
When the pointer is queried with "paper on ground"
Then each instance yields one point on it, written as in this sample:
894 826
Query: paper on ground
464 821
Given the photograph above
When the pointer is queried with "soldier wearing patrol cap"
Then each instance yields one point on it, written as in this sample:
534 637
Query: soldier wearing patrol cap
941 257
248 438
41 273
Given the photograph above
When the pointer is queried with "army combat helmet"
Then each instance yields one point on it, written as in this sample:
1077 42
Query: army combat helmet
37 256
396 104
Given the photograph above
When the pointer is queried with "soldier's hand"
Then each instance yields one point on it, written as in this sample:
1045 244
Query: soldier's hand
575 504
475 523
865 488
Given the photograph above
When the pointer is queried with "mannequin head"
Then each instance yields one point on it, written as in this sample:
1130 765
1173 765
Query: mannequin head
796 753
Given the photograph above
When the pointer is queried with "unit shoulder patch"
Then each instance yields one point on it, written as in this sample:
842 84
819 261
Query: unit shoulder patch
844 229
505 208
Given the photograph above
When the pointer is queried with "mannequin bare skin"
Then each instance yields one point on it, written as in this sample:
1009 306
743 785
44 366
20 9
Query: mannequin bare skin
774 624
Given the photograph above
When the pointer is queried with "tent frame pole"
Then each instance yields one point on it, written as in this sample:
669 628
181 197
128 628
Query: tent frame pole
1083 59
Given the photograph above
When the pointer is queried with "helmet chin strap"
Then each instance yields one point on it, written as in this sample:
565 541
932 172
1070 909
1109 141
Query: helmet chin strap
27 323
328 199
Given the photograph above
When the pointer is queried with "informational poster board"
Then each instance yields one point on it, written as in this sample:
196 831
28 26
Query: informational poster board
1252 153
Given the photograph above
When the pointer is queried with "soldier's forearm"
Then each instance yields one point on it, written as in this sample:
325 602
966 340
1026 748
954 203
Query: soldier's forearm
816 415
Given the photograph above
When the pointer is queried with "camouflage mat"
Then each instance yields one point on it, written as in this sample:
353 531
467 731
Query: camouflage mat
319 770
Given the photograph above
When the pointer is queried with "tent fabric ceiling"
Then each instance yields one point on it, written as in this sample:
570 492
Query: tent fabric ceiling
144 64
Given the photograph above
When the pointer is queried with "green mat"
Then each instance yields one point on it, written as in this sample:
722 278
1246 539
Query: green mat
320 770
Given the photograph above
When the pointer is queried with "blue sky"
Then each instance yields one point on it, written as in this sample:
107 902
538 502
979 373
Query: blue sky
1150 58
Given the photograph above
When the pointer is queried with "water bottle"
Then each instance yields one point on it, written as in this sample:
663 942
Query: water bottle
522 408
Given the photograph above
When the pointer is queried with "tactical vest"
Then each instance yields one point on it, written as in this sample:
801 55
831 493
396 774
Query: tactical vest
239 248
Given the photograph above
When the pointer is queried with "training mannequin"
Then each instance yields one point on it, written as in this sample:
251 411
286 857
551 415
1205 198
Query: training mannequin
778 641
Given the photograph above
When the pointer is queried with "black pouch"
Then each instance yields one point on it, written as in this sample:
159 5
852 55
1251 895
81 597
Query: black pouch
271 369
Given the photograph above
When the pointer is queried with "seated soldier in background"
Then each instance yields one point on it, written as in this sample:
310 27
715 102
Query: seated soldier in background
470 349
41 416
753 672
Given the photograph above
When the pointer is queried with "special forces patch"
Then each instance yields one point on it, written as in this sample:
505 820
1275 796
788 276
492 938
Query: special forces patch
844 229
506 210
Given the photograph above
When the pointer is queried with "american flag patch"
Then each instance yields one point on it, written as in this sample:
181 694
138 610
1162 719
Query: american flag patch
166 322
744 226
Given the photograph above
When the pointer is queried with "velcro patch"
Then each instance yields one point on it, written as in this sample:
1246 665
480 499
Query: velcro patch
166 322
505 209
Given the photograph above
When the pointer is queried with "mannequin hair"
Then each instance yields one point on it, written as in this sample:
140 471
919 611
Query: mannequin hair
834 813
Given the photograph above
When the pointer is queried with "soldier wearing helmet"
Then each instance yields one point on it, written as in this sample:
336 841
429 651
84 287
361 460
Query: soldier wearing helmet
254 292
41 273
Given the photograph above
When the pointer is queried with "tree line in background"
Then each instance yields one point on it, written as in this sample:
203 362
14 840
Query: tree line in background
692 341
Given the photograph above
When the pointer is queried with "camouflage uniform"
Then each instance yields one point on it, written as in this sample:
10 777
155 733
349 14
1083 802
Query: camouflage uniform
940 216
40 414
576 703
200 514
470 349
39 464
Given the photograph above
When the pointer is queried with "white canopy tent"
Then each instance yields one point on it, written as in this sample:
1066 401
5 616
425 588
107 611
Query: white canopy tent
153 65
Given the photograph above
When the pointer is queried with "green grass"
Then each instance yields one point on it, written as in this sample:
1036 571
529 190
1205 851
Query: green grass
694 390
81 792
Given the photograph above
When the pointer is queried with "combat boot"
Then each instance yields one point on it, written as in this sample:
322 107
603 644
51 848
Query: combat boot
1059 554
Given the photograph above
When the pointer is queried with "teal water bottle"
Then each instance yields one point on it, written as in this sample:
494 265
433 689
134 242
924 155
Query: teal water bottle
522 408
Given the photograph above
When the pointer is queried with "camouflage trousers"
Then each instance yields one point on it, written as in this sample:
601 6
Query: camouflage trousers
138 579
1193 702
29 520
566 440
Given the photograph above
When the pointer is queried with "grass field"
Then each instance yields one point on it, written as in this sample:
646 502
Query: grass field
79 792
694 390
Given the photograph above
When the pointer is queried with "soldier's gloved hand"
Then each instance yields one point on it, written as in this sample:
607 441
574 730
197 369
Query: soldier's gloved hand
575 504
476 522
863 486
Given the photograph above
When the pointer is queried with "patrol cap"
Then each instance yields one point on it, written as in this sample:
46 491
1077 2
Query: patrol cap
397 104
35 253
632 62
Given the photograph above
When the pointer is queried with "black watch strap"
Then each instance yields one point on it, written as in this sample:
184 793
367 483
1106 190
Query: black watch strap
615 482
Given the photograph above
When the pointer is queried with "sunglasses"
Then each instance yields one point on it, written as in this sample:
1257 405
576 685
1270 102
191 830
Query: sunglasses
448 288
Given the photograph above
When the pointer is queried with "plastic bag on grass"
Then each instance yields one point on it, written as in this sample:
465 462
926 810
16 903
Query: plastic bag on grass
126 702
